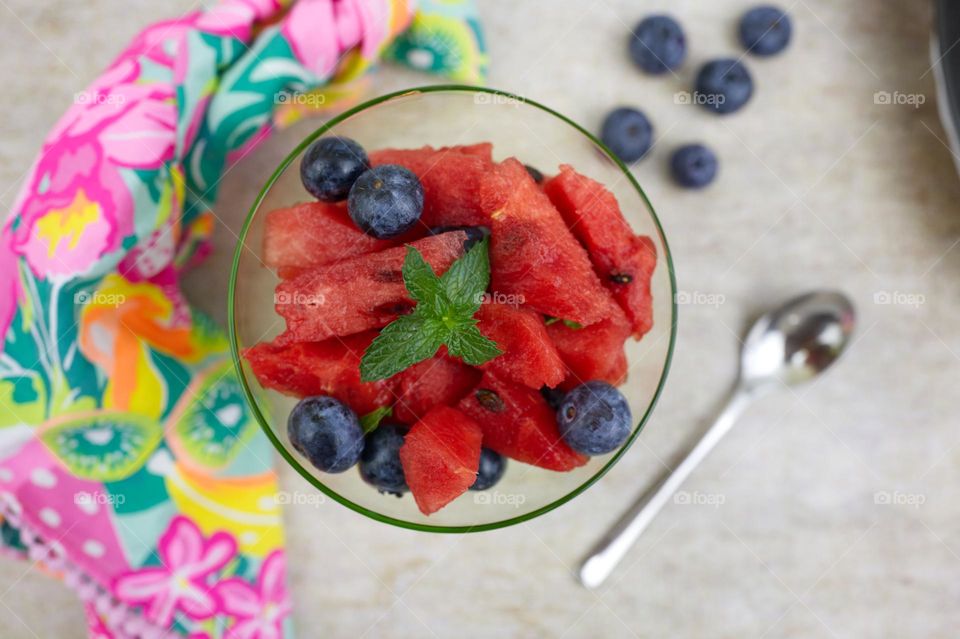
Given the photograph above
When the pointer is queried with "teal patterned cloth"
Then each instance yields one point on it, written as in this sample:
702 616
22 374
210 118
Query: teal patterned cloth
130 465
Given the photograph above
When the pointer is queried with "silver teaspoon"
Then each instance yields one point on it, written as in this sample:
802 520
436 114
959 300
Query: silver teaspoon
786 346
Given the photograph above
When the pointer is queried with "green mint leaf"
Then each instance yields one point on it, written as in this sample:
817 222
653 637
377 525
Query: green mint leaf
550 320
371 421
406 341
470 345
467 279
574 325
418 276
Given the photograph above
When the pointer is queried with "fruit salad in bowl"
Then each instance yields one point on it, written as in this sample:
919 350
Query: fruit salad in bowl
452 309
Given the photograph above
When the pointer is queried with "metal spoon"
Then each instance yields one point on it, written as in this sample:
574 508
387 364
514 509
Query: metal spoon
786 346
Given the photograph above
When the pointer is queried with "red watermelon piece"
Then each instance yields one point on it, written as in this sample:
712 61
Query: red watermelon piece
440 457
440 380
312 234
518 423
593 352
359 293
331 367
451 178
624 261
533 254
529 357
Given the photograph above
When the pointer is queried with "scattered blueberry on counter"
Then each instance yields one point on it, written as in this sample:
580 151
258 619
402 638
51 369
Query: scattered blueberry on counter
694 166
330 167
594 418
380 462
657 44
492 467
724 86
765 30
628 133
326 432
386 201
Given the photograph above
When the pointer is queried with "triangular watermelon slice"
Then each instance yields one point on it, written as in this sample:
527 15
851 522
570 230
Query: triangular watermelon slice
529 357
440 457
359 293
312 234
518 423
534 256
593 352
624 261
330 368
440 380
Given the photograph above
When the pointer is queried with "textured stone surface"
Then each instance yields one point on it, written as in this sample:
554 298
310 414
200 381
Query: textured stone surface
819 186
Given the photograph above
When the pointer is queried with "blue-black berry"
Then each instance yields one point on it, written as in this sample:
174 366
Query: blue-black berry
331 166
724 86
594 418
765 30
327 432
628 133
386 201
657 44
694 166
492 467
380 462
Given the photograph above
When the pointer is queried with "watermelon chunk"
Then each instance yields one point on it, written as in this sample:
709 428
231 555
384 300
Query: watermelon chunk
624 261
359 293
533 254
529 357
593 352
440 380
330 368
451 179
518 423
440 457
313 234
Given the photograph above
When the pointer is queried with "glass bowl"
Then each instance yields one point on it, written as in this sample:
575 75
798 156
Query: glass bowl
443 116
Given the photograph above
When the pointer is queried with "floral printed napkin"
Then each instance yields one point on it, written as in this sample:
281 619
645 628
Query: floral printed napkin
130 465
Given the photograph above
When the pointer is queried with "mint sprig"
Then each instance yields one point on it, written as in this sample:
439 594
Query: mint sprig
443 315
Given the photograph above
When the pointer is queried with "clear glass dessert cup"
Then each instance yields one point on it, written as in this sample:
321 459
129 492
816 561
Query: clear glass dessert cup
447 115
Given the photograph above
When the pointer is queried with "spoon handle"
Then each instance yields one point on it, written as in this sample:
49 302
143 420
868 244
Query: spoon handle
620 538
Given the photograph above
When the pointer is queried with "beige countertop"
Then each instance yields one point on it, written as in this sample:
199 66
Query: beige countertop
820 186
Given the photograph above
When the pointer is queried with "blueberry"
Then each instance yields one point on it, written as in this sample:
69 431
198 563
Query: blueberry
594 418
386 201
327 432
554 396
724 85
535 173
628 133
475 234
765 30
331 166
492 467
657 44
694 166
380 462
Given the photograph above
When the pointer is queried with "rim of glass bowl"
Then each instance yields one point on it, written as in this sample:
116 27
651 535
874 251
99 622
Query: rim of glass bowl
261 419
